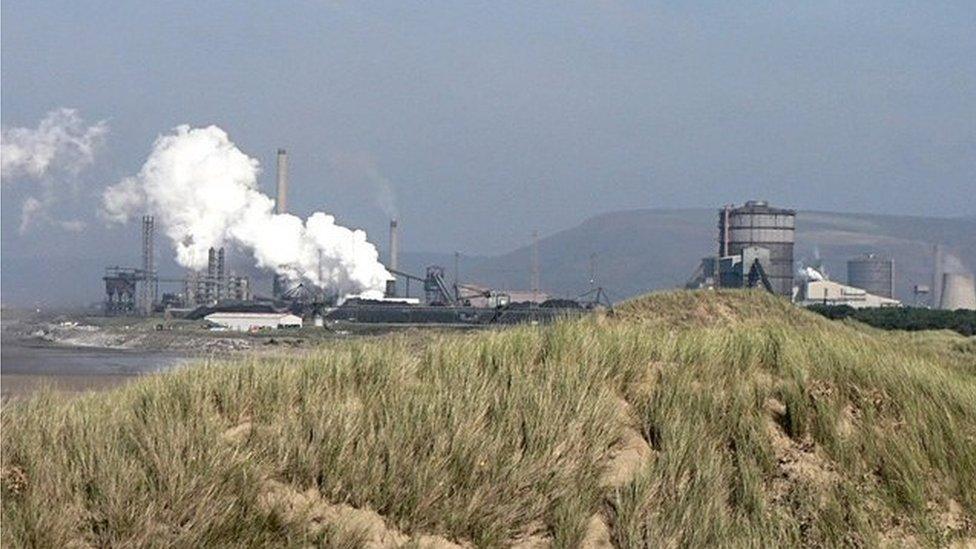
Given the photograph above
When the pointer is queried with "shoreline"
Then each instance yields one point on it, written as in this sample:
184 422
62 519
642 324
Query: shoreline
32 366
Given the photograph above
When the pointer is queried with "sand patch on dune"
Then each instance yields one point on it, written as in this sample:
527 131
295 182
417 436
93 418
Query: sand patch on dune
317 515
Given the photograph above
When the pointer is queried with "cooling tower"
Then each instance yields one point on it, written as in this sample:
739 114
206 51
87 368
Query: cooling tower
958 292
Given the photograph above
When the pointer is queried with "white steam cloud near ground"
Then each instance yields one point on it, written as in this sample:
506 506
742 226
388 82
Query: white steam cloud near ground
50 155
203 191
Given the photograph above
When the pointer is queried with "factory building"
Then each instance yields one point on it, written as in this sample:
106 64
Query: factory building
133 290
247 322
213 285
872 273
827 292
121 284
130 291
755 248
759 225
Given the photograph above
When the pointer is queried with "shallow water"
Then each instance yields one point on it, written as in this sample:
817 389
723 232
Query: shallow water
26 367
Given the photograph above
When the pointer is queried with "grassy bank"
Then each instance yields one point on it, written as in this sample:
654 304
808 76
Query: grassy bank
688 419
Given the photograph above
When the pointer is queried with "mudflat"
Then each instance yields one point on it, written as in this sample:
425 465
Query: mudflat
26 367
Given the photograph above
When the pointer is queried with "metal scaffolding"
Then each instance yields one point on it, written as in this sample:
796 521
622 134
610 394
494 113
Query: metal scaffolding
147 294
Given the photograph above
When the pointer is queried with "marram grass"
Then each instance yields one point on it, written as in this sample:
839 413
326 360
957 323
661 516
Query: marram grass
768 426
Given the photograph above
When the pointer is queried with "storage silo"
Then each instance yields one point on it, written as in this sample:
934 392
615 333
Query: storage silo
958 292
759 224
872 273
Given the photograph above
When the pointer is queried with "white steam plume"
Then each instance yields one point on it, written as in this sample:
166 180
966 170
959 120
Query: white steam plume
61 142
811 274
50 155
203 191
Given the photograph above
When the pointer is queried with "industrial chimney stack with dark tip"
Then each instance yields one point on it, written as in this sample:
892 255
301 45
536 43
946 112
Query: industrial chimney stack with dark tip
394 245
394 263
281 206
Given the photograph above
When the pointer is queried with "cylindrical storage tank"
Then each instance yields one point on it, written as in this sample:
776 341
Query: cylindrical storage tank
872 273
759 224
958 292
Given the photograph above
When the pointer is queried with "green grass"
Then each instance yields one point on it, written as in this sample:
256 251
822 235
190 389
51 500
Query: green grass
769 426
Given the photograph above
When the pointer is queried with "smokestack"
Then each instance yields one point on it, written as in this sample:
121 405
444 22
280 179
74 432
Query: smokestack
281 206
394 257
148 295
180 187
394 245
937 277
211 281
535 265
221 275
212 263
724 230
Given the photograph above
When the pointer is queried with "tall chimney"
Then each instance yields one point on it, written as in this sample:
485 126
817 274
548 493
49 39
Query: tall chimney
148 295
535 265
724 230
281 206
936 293
394 245
393 264
211 280
221 275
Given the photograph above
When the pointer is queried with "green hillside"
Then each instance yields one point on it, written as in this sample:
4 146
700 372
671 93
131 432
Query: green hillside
684 420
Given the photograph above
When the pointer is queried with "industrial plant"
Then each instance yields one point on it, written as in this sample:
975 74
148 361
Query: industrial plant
870 284
351 285
227 300
755 250
131 290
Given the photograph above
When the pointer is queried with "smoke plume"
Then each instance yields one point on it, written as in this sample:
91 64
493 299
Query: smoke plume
951 264
362 169
203 191
60 143
50 155
811 274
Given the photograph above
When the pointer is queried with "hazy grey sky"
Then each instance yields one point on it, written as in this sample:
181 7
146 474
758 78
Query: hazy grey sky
488 120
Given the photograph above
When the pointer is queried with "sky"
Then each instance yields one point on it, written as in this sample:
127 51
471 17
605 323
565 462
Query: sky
477 123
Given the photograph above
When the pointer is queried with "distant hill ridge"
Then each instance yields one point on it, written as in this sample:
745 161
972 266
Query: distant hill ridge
641 250
636 251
